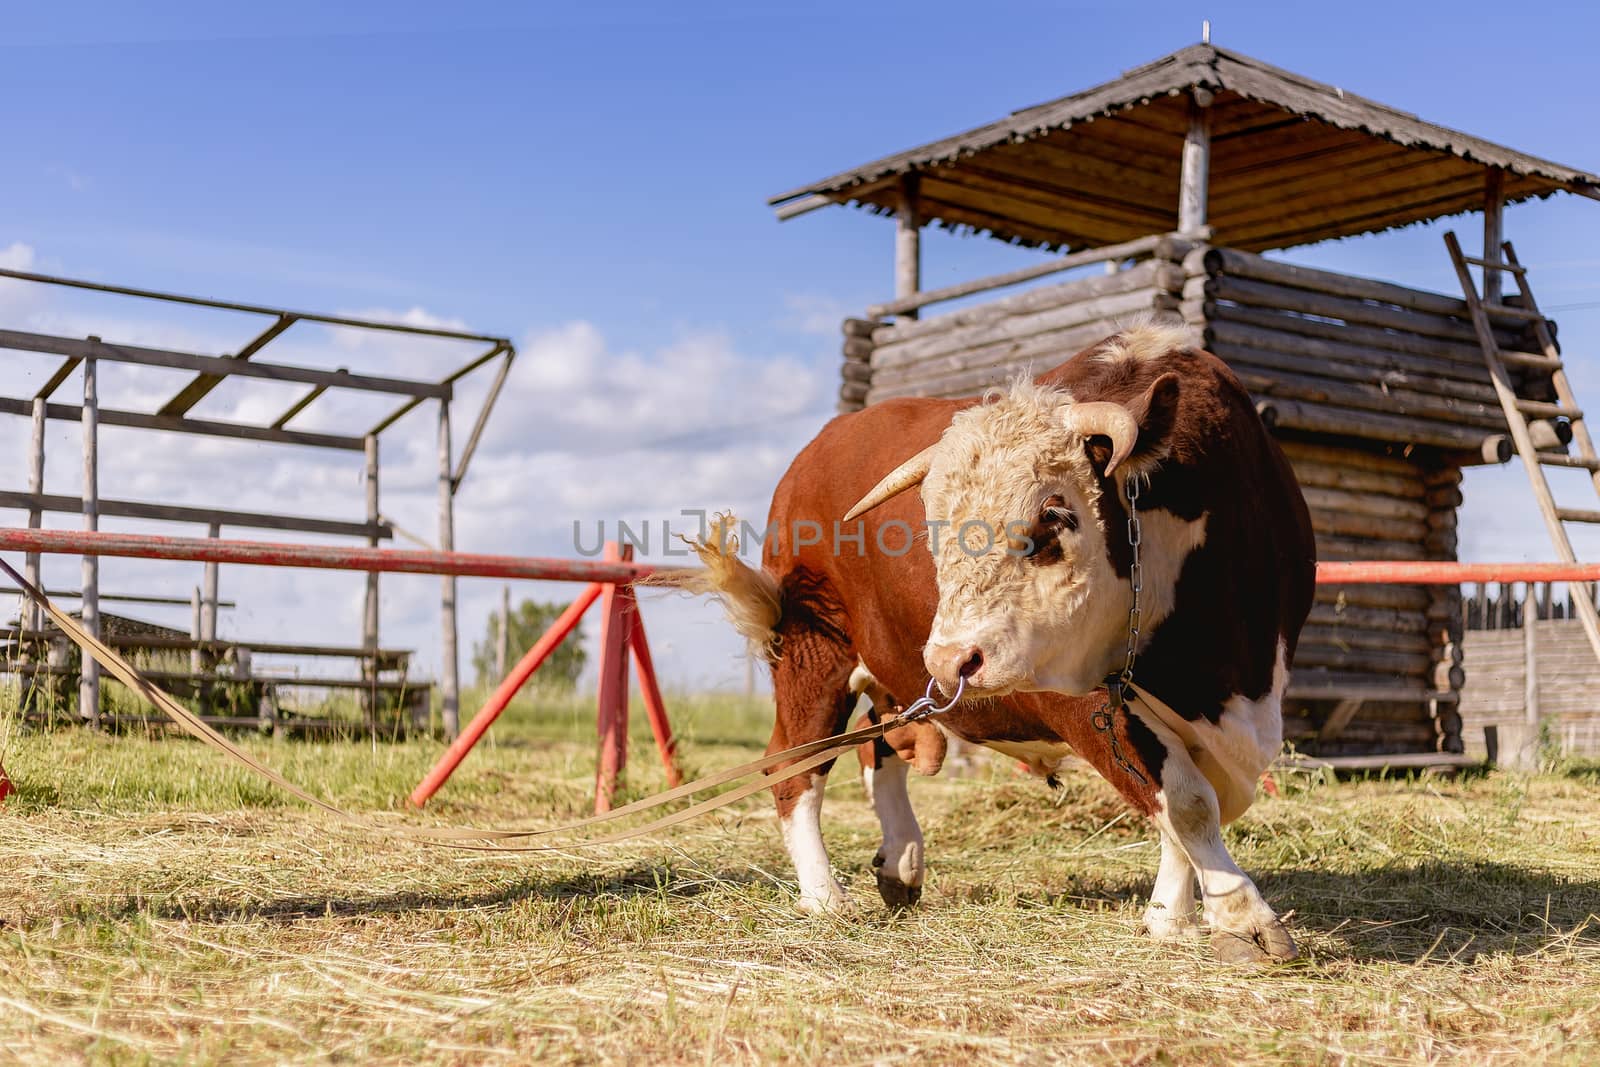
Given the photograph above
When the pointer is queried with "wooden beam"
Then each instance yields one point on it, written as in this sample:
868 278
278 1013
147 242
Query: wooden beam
483 416
62 373
203 427
200 385
133 509
221 365
1195 177
299 405
449 660
1494 202
89 674
908 243
1126 250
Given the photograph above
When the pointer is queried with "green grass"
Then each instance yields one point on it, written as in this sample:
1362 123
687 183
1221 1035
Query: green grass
157 905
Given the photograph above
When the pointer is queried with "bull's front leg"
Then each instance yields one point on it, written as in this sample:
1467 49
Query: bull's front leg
1170 915
886 764
1244 927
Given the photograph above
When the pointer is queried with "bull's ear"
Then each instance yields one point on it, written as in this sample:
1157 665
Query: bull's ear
1116 432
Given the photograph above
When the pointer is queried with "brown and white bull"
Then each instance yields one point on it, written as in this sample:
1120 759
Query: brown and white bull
1017 580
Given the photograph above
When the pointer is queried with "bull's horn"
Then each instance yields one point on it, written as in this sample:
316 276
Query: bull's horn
1107 420
897 481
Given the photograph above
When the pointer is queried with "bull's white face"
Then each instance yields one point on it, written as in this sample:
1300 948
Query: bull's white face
1028 597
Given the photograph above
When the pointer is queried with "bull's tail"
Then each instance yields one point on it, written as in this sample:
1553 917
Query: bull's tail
750 596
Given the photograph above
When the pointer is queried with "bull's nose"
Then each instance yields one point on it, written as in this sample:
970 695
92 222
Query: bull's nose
948 664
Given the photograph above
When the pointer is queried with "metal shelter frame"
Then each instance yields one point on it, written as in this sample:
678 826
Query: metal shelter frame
175 416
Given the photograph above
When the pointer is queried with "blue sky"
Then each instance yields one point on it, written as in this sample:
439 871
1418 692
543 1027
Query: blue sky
591 180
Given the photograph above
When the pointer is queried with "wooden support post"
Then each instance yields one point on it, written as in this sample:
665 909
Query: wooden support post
1195 178
449 664
502 648
617 613
32 618
1529 758
908 244
369 614
208 601
196 657
89 674
1494 185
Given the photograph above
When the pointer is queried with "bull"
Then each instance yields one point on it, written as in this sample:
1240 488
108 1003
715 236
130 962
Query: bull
1016 571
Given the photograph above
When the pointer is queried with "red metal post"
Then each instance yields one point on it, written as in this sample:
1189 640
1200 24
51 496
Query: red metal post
5 784
508 688
617 613
654 707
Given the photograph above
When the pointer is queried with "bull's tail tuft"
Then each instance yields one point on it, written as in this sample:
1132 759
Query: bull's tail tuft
750 596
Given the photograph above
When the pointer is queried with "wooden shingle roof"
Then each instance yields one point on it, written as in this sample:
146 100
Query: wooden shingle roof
1293 161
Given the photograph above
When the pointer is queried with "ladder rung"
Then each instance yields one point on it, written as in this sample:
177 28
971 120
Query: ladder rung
1545 410
1561 459
1512 312
1509 268
1530 360
1577 515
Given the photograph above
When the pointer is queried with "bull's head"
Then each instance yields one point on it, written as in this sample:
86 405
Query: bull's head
1015 493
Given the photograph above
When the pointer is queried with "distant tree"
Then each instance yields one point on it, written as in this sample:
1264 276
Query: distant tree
529 620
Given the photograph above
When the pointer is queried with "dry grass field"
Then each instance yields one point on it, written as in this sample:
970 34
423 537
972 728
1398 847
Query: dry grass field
157 905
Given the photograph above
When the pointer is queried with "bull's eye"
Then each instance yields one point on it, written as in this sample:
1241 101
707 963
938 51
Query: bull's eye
1044 540
1057 515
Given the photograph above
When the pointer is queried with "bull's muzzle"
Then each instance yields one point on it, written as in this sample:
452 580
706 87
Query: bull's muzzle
947 664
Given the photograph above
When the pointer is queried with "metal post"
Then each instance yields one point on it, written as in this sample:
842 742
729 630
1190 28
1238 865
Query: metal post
449 667
908 244
32 619
1494 185
369 615
89 675
1195 178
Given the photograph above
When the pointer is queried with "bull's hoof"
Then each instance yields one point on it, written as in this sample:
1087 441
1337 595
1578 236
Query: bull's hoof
897 895
1269 943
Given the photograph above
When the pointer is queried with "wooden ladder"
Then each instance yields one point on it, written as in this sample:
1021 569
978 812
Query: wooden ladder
1546 450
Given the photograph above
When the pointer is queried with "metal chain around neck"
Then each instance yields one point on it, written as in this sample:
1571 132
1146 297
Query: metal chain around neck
1105 719
1135 580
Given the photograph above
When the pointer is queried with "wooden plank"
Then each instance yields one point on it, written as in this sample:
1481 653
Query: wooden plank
1338 719
133 509
1043 350
1013 329
202 427
449 657
1353 422
1264 380
1125 250
202 384
1466 354
1448 377
219 365
1044 298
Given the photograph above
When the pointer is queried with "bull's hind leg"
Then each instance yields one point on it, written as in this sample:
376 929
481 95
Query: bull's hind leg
810 683
886 764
